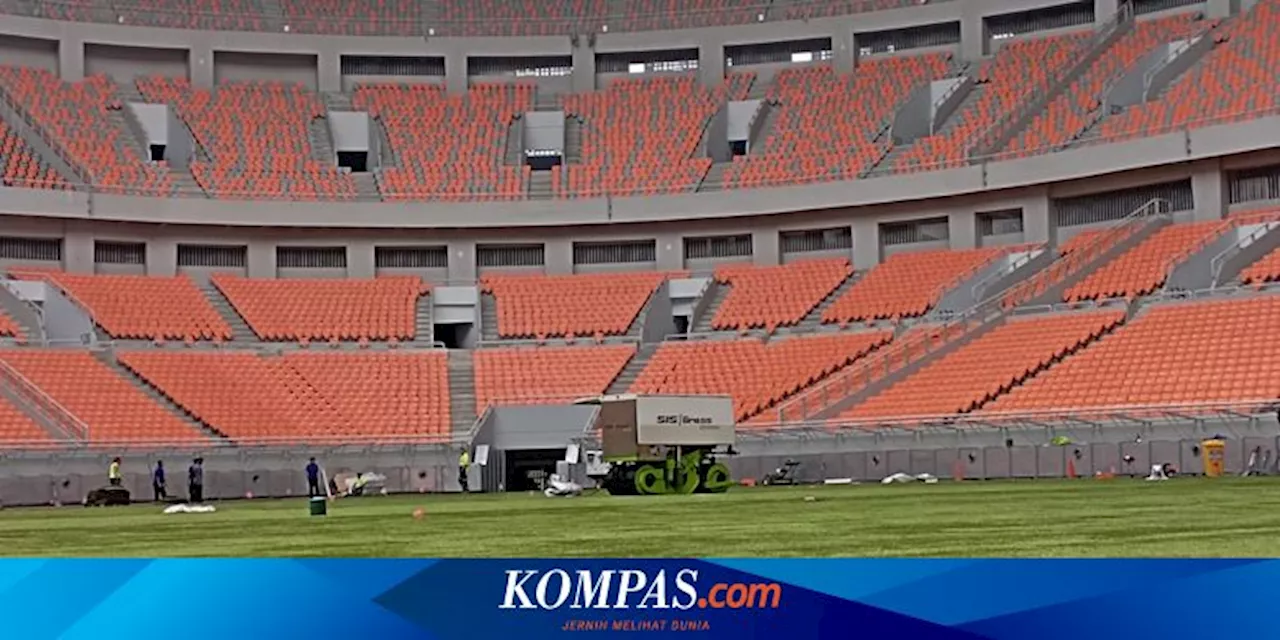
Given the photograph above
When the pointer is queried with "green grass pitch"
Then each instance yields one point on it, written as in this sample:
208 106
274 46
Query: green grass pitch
1042 518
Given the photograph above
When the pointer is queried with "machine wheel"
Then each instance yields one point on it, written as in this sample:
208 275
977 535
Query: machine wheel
649 481
621 480
716 478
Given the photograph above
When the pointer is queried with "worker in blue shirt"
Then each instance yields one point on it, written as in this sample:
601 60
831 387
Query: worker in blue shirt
157 482
313 478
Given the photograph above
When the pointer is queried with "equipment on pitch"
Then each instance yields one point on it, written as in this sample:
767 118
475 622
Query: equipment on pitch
663 444
786 474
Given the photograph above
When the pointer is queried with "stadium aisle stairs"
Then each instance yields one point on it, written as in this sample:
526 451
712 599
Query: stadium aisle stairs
109 358
462 390
240 331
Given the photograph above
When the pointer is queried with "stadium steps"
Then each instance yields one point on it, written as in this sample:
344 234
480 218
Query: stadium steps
240 331
15 399
572 140
488 317
759 90
108 358
424 328
714 180
759 143
1053 295
718 293
544 101
813 321
24 314
540 187
337 101
321 140
890 160
636 330
629 373
462 390
366 186
513 156
36 141
386 152
136 136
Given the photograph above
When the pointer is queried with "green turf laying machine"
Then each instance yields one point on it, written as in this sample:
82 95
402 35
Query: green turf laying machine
653 445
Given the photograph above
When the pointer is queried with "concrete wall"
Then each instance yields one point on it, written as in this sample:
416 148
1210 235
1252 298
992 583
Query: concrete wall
124 63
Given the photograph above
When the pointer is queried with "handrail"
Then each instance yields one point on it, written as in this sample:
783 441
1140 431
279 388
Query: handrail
67 420
1219 261
1175 261
1027 255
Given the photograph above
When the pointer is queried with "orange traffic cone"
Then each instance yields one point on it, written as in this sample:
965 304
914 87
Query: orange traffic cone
1071 468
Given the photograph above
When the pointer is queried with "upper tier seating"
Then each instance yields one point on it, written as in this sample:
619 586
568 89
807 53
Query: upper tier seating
822 132
20 167
354 17
771 297
144 307
1264 270
16 427
805 9
1018 73
378 309
543 375
81 120
1074 254
1237 80
9 328
1143 268
758 375
448 147
113 408
256 136
972 375
1205 351
907 285
580 305
640 135
661 15
306 397
520 17
228 15
1077 108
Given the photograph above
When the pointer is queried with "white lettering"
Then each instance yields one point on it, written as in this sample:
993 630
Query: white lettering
541 593
632 581
657 591
685 579
587 590
515 589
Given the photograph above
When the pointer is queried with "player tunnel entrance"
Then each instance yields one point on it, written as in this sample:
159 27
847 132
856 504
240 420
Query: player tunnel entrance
529 469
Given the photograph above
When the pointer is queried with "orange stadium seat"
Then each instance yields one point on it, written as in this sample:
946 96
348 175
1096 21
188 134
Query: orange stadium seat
378 309
806 9
1073 255
144 307
77 118
823 134
580 305
1015 75
657 15
256 136
114 409
981 370
1234 81
448 147
756 374
907 285
1077 108
771 297
640 136
1143 268
353 17
542 375
1267 269
520 17
1184 353
306 397
16 427
9 327
232 15
20 167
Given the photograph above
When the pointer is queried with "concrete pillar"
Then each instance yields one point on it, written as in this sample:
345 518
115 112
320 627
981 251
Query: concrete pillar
362 261
711 64
669 251
261 259
1209 190
162 257
558 256
1037 225
584 67
462 261
1104 9
844 50
1218 8
200 66
70 58
866 244
962 226
455 73
973 34
329 71
77 251
765 251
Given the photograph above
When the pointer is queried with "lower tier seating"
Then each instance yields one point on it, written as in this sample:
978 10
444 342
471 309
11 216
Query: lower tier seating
305 397
9 328
1265 270
1183 353
543 375
757 374
579 305
972 375
907 285
770 297
114 408
144 307
1143 268
16 427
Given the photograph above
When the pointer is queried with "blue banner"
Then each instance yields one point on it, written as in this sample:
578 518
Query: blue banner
738 599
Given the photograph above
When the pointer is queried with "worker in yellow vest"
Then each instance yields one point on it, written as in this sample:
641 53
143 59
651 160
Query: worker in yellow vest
464 461
113 473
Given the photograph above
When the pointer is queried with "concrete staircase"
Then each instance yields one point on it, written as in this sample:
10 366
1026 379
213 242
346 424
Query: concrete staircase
890 160
513 155
240 331
572 140
36 141
488 317
424 329
109 358
545 101
24 314
462 390
813 321
718 293
366 186
632 371
321 140
337 101
540 186
714 180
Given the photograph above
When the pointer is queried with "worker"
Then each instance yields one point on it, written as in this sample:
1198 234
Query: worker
113 472
313 478
195 481
157 482
464 461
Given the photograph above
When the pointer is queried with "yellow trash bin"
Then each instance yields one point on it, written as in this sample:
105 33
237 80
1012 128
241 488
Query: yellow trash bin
1212 453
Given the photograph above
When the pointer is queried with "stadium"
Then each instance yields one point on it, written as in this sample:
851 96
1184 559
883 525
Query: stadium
978 240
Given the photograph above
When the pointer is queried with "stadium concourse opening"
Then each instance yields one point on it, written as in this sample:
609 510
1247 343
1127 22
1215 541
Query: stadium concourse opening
529 469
